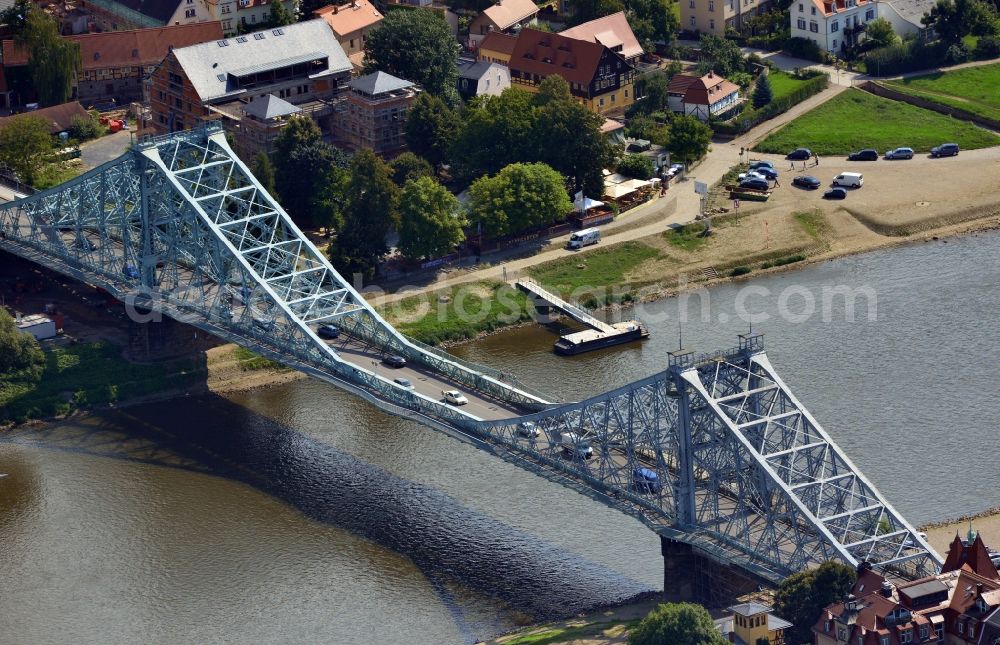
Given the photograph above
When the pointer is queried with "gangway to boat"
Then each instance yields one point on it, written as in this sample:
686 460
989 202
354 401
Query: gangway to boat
544 297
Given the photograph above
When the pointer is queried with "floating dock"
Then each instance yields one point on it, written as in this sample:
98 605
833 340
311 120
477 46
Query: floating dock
600 334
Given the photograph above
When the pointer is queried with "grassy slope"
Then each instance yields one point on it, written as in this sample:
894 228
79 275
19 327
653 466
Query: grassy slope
783 84
855 119
602 269
975 89
90 373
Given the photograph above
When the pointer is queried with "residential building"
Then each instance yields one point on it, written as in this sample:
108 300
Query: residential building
507 16
715 16
957 606
476 78
114 63
598 77
59 117
613 32
750 622
251 14
117 15
301 63
260 123
704 97
832 24
497 47
351 23
905 15
376 113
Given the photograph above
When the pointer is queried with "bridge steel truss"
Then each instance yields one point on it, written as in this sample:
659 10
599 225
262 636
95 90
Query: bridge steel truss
179 225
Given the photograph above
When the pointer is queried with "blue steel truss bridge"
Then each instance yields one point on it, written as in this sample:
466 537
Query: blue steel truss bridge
744 473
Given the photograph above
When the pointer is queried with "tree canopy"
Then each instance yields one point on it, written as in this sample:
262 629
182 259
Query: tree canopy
652 87
430 223
880 33
52 59
309 175
954 19
636 166
371 212
650 20
677 624
802 596
24 143
417 46
20 356
520 197
263 170
430 128
762 94
689 138
721 55
409 166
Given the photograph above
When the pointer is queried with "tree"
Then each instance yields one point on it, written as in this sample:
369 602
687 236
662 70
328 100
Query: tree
659 14
16 16
952 20
522 196
762 94
417 46
677 624
880 33
586 10
280 16
637 166
263 170
371 212
24 142
20 356
409 166
431 127
802 596
645 127
308 172
495 131
653 89
689 138
721 55
430 224
84 128
52 60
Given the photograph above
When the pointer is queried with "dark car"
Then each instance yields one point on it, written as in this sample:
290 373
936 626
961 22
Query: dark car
835 193
86 244
394 361
868 154
766 171
131 272
755 184
761 164
945 150
800 154
329 332
806 181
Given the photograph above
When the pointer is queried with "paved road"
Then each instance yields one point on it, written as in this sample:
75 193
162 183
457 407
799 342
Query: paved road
94 153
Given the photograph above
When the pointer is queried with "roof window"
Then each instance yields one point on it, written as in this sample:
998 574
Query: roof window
278 32
223 43
97 55
258 36
241 39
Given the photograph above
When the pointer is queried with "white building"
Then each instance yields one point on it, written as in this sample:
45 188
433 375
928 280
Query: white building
905 15
831 24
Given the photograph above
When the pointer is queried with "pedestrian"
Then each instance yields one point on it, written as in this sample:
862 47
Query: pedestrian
776 184
791 166
816 158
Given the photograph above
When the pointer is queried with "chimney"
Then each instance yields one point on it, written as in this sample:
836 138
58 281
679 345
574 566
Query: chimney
335 9
887 589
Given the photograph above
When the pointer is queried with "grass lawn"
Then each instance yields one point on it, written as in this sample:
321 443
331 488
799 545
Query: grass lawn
568 634
688 238
600 270
974 89
458 312
783 84
89 373
812 222
855 119
55 173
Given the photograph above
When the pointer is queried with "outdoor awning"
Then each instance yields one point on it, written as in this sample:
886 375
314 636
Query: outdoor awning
615 179
585 204
617 191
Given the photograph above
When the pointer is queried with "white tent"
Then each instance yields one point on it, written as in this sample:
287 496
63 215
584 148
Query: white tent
583 204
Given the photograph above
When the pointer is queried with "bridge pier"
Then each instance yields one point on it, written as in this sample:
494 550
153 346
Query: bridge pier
163 337
690 576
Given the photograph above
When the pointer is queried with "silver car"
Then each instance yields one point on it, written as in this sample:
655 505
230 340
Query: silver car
900 153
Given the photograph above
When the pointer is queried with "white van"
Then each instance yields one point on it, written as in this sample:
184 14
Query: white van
849 180
583 238
572 445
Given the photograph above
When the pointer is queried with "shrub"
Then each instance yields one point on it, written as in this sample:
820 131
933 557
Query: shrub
83 128
987 47
805 48
636 166
956 54
903 57
738 271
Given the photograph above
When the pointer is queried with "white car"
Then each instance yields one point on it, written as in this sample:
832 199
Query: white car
752 175
454 397
528 429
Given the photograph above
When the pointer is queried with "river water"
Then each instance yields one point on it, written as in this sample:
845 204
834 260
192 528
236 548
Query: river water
300 514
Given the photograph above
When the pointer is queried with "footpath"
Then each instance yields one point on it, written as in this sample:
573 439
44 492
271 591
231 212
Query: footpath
638 223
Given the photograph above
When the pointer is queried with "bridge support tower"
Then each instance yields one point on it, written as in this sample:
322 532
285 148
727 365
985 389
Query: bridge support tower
690 576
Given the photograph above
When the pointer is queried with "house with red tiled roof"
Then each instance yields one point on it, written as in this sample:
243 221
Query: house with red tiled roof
351 23
58 117
704 97
612 31
956 606
114 63
832 24
507 16
496 48
598 77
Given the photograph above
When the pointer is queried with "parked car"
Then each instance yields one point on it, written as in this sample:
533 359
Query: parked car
675 169
800 154
868 154
454 397
835 193
761 164
753 174
645 480
849 180
806 181
528 429
403 383
394 361
329 332
945 150
755 184
900 153
767 172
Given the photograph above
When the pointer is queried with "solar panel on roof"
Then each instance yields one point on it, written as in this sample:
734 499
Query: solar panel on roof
241 39
258 36
223 43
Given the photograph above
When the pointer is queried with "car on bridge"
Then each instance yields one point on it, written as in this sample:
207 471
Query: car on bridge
329 332
645 480
454 397
528 429
394 361
131 272
404 383
573 445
